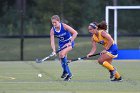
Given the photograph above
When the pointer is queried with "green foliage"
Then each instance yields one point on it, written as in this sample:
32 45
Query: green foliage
76 13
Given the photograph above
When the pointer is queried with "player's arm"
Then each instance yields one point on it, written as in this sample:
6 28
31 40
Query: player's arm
71 30
94 47
52 40
109 38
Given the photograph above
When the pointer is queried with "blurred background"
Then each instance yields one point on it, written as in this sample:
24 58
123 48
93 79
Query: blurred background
25 25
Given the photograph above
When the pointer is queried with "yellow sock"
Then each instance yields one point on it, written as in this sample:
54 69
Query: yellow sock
108 65
117 75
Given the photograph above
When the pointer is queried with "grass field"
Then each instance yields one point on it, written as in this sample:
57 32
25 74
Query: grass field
88 77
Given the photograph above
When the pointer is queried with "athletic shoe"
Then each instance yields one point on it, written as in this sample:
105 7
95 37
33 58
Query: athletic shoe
119 79
64 75
68 78
112 73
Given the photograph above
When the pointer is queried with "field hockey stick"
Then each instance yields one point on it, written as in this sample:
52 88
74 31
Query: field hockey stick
82 58
51 55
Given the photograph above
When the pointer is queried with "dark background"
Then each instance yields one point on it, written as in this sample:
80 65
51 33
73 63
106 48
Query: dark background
77 13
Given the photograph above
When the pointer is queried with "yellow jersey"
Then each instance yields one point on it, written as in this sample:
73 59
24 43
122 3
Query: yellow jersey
100 39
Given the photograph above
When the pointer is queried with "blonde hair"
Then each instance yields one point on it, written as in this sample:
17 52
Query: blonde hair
56 17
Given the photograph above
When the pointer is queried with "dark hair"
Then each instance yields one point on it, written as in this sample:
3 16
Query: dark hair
102 25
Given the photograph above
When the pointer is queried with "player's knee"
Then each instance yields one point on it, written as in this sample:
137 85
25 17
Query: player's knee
100 61
61 55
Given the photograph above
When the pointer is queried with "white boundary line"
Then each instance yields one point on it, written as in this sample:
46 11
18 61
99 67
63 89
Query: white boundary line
20 82
7 77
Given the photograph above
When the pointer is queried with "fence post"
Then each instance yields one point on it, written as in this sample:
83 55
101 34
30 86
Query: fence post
22 15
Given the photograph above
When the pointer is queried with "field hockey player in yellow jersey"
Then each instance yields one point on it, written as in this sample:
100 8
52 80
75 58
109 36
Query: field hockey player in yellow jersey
110 50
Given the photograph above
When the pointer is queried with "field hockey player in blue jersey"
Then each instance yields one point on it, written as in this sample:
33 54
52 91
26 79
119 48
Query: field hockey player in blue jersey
66 36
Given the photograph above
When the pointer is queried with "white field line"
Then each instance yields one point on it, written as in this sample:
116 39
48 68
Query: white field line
25 82
16 73
7 77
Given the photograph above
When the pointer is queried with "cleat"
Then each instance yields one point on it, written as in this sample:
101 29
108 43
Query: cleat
112 73
64 75
119 79
68 78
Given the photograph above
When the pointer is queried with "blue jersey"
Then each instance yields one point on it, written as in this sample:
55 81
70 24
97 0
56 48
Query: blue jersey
63 35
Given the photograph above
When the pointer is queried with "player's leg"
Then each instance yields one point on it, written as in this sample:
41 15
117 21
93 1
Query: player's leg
117 75
106 61
103 61
112 72
63 63
66 71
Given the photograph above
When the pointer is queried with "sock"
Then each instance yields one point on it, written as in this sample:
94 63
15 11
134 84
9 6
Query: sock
63 62
69 72
65 65
108 65
117 75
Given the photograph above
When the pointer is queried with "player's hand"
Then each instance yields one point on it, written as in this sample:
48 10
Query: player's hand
88 55
54 53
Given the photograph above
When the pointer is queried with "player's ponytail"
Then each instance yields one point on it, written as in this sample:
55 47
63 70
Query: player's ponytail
102 25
